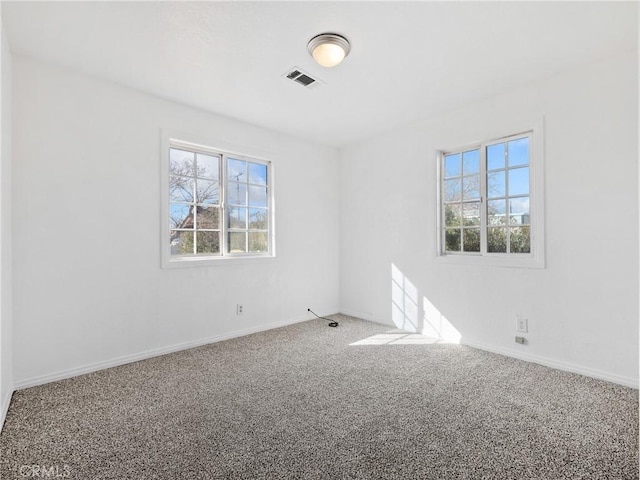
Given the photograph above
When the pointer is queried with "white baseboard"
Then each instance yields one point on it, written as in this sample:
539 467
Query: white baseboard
93 367
4 407
547 362
364 316
114 362
557 364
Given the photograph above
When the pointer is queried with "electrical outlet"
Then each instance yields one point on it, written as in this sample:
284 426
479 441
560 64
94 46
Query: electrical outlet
239 309
522 324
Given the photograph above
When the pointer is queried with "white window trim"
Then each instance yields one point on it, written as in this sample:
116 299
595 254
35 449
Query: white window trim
170 139
536 259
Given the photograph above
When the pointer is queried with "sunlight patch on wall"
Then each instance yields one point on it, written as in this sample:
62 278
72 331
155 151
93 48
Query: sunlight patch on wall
417 323
404 301
437 325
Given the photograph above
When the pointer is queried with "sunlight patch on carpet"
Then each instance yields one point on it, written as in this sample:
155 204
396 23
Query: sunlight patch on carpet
397 338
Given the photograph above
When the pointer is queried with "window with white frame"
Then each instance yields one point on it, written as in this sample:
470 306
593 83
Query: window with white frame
486 200
218 204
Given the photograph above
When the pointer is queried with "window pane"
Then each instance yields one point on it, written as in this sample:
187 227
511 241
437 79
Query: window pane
258 242
471 162
518 152
180 216
237 170
208 242
471 239
502 225
258 196
207 192
452 215
258 218
452 190
495 156
519 181
497 212
181 243
496 186
452 165
237 242
236 193
471 213
208 217
496 240
208 166
198 224
237 217
471 187
452 240
181 162
180 189
519 240
519 211
257 173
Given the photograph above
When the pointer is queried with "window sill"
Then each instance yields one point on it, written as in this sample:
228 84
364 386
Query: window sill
525 261
194 262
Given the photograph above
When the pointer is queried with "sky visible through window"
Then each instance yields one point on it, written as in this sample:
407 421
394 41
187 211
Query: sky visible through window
518 155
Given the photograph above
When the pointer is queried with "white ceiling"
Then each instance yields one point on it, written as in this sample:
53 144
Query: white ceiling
408 60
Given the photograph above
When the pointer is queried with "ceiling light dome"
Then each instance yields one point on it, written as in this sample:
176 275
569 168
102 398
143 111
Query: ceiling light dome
329 49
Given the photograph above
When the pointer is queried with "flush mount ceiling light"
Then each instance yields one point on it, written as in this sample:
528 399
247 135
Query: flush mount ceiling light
329 49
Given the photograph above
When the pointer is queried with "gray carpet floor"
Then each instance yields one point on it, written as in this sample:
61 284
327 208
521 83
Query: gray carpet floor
312 402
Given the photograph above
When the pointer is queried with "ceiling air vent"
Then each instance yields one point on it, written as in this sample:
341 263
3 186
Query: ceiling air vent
303 78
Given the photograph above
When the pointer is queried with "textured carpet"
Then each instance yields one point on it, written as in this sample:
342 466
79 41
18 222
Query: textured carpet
312 402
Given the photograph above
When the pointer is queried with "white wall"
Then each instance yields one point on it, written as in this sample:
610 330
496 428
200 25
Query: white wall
6 344
88 287
583 307
88 290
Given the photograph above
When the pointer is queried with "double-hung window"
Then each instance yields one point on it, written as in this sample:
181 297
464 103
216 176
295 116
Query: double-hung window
489 204
218 205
